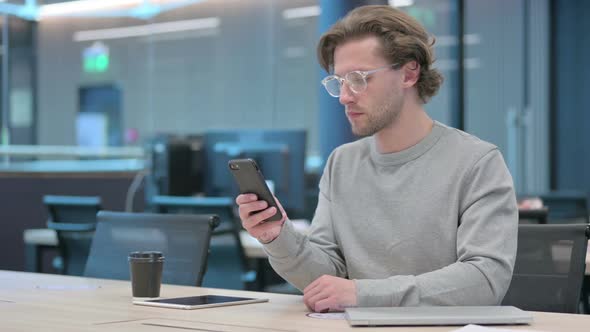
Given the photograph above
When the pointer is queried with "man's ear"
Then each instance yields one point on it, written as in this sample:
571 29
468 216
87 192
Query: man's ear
411 72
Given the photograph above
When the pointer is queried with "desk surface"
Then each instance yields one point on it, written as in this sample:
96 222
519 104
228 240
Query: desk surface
44 302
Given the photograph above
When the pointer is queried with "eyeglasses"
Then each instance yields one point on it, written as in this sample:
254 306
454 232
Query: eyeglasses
356 81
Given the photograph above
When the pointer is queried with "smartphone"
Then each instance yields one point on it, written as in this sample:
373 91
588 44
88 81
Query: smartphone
251 181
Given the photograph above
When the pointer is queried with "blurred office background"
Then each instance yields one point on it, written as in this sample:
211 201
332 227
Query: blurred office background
139 86
516 78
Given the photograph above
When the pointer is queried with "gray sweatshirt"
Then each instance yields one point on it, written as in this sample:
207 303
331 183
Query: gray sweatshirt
435 224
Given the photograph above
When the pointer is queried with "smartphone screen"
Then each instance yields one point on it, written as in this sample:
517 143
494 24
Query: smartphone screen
251 181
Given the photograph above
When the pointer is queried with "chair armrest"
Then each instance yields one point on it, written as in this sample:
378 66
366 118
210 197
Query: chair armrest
82 227
193 201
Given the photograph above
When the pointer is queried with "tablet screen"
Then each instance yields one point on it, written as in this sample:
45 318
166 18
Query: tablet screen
197 302
202 300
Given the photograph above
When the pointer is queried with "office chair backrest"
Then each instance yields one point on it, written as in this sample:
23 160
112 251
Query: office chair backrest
549 268
74 220
183 239
228 264
72 209
220 206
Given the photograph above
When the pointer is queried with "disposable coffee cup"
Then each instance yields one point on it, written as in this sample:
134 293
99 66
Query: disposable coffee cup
145 268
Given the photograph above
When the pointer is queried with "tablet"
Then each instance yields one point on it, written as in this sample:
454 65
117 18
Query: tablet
199 302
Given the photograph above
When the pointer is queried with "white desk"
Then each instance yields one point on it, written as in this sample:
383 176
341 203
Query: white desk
44 302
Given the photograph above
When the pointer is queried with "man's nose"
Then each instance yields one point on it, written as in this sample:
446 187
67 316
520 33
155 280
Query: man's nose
346 95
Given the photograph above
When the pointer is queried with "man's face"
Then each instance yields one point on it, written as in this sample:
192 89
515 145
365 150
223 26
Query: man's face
380 104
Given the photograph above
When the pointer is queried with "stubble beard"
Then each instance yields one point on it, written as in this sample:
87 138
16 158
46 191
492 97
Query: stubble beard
385 115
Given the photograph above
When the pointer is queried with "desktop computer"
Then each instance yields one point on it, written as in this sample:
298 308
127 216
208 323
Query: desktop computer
176 165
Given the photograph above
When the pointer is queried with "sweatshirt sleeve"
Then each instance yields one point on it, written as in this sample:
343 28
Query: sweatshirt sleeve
486 249
302 258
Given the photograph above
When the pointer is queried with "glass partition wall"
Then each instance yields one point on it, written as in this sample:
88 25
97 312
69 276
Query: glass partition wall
122 75
213 64
117 80
17 81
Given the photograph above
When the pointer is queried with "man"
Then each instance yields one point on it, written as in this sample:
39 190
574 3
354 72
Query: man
415 213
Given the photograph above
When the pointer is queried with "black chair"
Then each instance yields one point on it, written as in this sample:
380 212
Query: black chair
183 239
221 206
549 268
228 265
74 220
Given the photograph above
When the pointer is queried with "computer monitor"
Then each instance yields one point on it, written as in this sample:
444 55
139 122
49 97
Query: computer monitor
280 154
176 165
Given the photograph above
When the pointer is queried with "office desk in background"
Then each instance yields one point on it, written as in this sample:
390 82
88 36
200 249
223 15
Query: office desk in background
23 184
44 302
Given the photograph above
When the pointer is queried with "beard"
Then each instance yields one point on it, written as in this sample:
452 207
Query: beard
383 116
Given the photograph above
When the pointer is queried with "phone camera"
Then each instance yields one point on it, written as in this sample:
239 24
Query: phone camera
234 166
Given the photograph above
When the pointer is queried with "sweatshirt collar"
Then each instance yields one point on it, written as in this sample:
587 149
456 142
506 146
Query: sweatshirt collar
410 153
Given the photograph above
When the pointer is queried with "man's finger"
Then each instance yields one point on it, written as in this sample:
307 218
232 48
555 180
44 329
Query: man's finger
259 217
324 305
311 286
245 198
248 209
314 298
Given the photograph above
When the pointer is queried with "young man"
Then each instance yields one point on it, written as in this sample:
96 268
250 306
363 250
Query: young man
415 213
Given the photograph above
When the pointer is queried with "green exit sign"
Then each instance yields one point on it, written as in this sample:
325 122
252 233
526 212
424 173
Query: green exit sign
95 59
97 64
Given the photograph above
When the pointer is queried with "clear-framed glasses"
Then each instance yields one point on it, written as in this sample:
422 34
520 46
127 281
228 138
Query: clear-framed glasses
356 81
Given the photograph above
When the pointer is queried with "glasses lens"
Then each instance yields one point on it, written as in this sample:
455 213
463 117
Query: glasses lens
356 81
332 85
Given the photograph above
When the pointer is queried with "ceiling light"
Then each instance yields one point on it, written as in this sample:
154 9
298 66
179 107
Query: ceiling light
147 29
82 6
301 12
401 3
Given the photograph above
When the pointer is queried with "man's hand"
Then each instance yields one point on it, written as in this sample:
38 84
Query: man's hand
253 212
328 293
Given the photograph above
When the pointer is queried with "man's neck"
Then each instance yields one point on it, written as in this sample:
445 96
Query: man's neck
411 126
